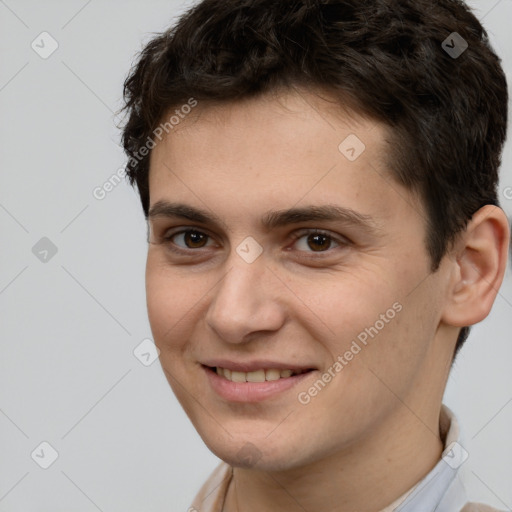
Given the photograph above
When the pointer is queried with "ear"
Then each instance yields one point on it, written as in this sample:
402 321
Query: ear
479 265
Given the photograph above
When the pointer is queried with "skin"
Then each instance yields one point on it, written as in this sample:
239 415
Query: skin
372 432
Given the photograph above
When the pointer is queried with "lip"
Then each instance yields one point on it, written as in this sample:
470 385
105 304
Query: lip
251 366
252 391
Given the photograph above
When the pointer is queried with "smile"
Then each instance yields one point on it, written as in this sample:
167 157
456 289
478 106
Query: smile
255 385
257 375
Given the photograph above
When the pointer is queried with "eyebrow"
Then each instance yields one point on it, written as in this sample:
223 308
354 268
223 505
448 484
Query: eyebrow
272 219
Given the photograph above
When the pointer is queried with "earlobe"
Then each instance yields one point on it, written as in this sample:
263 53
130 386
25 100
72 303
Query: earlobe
479 267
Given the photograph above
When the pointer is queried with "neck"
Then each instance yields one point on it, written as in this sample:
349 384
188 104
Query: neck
365 477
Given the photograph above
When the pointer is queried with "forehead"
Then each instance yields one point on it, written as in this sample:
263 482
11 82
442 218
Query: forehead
289 113
275 151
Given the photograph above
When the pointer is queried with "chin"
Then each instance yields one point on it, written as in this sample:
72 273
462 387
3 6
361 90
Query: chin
255 452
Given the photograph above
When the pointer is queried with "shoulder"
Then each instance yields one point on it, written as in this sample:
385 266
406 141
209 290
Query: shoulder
212 493
478 507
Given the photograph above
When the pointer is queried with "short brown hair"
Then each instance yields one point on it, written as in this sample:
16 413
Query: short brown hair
448 112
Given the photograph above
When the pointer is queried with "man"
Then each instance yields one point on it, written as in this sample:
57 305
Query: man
319 179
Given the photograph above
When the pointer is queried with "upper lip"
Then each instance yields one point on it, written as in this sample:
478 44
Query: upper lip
250 366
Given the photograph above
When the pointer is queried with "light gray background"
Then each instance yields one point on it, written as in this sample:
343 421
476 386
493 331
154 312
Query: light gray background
68 327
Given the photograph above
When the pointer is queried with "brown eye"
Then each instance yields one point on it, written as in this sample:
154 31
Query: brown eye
319 242
194 239
316 241
188 239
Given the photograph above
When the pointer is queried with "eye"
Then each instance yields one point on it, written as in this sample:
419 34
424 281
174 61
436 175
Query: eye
317 241
309 241
188 239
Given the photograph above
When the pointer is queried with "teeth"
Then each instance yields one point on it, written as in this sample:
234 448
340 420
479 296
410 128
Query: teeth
273 374
238 377
255 376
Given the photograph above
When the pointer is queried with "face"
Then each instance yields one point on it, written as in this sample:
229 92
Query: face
282 251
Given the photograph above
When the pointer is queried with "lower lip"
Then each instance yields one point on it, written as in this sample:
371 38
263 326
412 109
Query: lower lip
252 391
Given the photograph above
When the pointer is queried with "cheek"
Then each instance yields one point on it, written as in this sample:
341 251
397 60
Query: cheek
352 305
171 302
391 336
372 326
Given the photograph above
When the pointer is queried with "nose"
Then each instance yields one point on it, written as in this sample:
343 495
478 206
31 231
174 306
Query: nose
245 301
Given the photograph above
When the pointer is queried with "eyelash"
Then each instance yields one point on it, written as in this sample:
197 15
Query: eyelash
340 241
